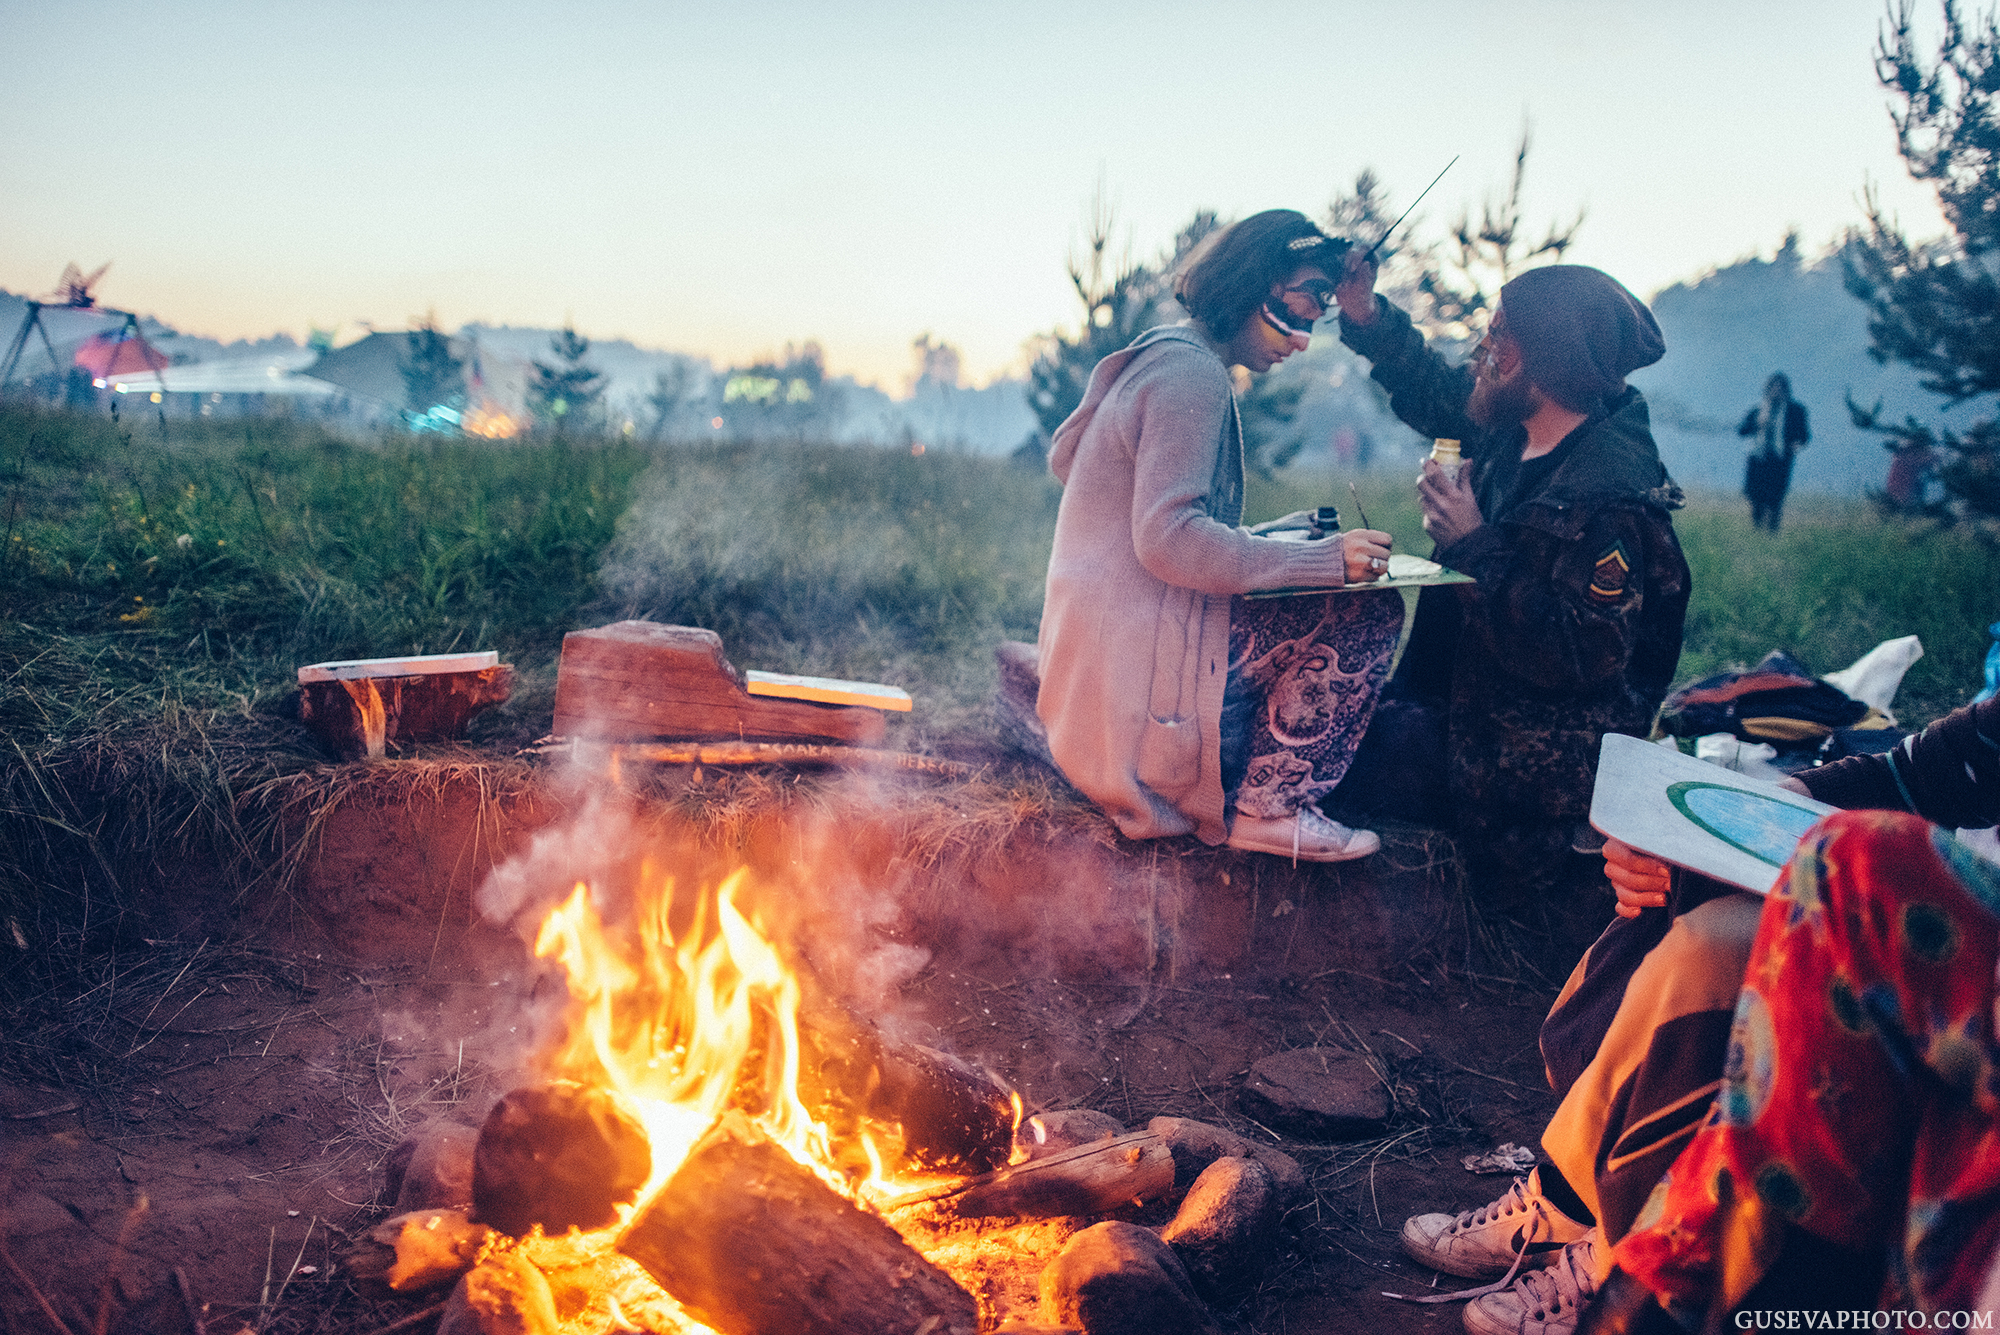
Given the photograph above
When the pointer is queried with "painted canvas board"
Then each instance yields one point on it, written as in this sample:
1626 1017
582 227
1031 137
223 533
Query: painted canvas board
1697 815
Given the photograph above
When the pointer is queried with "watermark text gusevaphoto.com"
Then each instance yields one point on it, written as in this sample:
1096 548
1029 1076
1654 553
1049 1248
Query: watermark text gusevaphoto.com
1864 1320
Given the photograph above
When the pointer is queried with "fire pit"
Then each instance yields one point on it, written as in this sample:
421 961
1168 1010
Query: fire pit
716 1141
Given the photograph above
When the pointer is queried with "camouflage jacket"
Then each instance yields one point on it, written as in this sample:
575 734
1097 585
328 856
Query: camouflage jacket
1574 627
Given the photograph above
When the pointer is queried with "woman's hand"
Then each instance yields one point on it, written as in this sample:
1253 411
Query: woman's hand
1356 290
1641 881
1366 551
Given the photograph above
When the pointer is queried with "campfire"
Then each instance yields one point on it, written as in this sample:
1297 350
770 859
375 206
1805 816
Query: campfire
718 1142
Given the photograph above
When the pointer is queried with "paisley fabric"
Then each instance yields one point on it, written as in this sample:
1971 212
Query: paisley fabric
1304 675
1861 1100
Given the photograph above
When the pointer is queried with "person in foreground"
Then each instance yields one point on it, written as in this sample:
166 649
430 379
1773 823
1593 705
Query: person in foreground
1564 519
1639 1067
1173 702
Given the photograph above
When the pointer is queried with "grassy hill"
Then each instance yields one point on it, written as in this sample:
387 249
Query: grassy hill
158 593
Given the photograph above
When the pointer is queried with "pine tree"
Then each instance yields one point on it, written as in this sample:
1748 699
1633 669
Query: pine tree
1935 305
566 394
432 377
1122 298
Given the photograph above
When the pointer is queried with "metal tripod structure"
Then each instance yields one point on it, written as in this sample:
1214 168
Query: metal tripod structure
32 324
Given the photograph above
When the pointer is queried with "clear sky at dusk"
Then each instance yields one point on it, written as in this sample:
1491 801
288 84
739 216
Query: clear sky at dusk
722 179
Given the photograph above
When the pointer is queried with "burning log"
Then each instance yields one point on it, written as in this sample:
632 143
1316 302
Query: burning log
956 1117
415 1252
557 1155
1096 1178
752 1243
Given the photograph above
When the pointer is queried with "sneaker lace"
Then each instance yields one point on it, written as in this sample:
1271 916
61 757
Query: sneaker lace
1325 828
1513 1201
1516 1200
1570 1282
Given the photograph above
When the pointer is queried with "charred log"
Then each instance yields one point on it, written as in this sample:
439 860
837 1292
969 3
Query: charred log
557 1155
751 1243
956 1117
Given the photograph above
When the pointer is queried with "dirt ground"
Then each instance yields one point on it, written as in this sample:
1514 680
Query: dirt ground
191 1134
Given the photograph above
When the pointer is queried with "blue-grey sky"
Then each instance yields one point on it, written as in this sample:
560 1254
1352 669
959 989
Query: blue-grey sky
722 179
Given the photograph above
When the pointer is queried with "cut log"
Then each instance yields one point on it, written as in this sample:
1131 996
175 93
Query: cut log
356 706
1097 1178
751 1243
635 680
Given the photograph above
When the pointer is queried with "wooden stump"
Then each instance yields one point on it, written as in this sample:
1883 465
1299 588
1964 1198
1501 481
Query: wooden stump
636 680
355 707
751 1243
1015 701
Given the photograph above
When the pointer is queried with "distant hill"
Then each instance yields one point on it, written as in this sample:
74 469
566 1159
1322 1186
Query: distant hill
990 420
1729 330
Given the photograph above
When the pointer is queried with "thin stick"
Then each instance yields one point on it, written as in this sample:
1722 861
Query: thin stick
195 1318
1357 505
295 1260
1032 1166
270 1254
412 1321
21 1278
1413 204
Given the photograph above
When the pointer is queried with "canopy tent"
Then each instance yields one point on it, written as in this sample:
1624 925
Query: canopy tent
126 352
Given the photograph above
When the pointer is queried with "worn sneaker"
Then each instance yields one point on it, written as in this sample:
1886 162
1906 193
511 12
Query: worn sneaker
1549 1301
1304 836
1483 1243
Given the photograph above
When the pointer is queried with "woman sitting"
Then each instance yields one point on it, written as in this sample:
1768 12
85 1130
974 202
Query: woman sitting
1172 701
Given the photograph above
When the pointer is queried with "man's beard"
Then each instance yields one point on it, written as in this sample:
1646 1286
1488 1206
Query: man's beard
1501 403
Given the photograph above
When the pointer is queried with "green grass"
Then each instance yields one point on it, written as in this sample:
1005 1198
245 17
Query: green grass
158 592
1835 583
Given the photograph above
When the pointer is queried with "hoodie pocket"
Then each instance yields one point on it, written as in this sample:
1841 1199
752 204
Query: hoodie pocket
1169 759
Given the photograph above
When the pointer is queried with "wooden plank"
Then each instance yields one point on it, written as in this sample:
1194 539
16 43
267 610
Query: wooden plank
637 680
417 665
828 691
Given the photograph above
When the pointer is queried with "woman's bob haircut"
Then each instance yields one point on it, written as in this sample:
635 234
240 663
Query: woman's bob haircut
1232 273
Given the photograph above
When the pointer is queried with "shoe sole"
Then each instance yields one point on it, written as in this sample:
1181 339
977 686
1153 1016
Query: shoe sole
1430 1260
1359 849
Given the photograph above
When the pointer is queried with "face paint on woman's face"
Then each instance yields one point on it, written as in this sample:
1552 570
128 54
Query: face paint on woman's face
1296 309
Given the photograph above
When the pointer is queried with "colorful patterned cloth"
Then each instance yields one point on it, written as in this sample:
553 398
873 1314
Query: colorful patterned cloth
1304 675
1862 1098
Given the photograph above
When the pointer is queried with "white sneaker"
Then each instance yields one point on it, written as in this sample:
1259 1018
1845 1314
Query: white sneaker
1541 1302
1304 836
1482 1243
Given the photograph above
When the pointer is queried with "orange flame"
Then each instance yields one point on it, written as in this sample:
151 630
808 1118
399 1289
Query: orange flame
686 1027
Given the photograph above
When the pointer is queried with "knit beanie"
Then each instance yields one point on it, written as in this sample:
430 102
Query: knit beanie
1580 332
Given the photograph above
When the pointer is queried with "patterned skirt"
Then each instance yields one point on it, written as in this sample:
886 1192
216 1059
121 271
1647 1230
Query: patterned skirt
1304 675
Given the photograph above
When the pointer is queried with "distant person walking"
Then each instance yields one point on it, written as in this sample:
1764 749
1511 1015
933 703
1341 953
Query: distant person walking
1776 428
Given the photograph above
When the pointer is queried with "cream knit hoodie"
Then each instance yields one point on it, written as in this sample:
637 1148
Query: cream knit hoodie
1149 548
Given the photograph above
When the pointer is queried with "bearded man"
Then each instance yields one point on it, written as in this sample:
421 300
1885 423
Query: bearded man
1563 516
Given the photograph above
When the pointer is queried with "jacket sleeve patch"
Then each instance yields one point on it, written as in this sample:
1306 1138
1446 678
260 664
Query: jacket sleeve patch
1610 574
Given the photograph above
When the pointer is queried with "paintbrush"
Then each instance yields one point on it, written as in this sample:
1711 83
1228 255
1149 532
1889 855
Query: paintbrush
1406 212
1357 506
